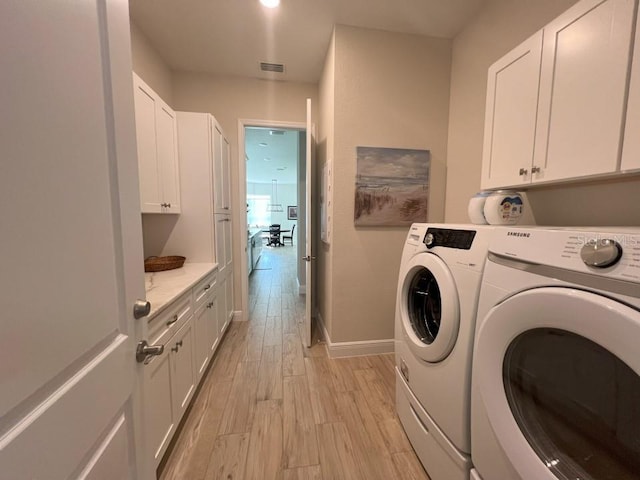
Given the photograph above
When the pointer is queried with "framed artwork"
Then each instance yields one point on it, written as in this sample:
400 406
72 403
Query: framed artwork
392 186
292 212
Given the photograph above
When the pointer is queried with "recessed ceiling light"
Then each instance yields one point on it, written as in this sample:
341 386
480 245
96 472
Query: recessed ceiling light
262 144
270 3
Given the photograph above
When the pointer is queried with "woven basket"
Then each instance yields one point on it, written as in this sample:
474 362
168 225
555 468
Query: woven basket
159 264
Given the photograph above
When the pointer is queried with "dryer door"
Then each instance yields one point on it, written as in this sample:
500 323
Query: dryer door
429 307
558 373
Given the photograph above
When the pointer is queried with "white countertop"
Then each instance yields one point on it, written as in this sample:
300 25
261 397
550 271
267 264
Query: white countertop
162 288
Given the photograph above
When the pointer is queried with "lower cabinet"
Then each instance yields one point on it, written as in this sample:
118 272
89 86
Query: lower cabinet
206 332
169 385
190 330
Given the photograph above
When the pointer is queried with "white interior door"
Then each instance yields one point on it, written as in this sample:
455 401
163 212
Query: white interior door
71 238
309 231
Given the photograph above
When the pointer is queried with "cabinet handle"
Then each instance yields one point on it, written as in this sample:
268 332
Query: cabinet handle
523 171
173 320
535 170
207 287
225 208
175 349
209 305
179 344
168 205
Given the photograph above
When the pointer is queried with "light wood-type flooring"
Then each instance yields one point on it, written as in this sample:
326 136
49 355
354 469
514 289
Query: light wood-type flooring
270 408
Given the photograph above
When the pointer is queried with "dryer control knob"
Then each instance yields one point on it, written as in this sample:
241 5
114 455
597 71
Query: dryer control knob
601 253
429 239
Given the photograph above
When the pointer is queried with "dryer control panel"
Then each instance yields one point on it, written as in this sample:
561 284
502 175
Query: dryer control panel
448 237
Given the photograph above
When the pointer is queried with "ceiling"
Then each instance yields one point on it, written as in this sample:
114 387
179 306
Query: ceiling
231 37
276 160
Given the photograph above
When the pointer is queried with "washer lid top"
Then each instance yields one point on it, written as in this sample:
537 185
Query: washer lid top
429 307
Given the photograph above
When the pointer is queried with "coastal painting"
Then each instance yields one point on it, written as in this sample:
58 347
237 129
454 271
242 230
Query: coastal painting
392 186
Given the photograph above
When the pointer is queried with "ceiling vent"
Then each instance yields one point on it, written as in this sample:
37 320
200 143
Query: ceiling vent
272 67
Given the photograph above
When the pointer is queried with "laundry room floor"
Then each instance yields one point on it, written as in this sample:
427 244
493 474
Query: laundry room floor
269 408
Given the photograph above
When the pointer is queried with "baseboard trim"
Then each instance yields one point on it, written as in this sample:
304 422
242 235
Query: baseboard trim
354 349
237 316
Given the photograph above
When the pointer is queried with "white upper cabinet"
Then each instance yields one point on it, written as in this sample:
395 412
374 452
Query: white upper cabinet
510 117
631 145
156 132
585 63
581 77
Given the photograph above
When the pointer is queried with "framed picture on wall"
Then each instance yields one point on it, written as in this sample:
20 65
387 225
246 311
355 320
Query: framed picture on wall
292 212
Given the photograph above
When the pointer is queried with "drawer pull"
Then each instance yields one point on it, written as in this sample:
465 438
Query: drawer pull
175 349
173 320
179 344
207 287
209 305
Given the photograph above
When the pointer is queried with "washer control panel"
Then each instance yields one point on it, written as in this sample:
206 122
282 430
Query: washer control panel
601 253
450 238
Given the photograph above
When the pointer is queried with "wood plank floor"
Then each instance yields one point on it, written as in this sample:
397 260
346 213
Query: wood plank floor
270 408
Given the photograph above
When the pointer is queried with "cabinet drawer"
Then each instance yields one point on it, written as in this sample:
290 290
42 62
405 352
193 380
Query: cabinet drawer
168 322
204 287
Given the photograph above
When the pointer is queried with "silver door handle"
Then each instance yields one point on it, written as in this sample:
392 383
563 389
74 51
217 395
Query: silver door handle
141 309
144 351
308 258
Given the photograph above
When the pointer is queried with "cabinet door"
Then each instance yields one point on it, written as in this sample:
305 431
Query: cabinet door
222 305
631 145
229 299
202 333
145 113
183 372
583 81
214 333
223 223
158 408
226 176
218 191
510 117
167 146
228 243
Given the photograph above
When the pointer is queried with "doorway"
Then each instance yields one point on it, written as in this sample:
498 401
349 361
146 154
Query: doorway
273 182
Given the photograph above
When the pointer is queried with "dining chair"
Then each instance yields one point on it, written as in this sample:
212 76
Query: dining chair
274 235
289 237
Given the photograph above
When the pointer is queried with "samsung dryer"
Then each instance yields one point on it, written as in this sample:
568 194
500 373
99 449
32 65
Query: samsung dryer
437 295
556 367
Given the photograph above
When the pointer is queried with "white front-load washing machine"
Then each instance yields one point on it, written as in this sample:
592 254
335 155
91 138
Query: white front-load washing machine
556 364
438 289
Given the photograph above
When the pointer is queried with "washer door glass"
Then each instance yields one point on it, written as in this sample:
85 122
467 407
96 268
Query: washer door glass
576 403
424 305
428 307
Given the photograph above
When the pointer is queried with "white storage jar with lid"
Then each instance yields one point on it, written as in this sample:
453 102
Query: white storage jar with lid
503 207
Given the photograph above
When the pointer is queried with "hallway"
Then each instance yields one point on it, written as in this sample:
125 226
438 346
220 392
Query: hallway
270 408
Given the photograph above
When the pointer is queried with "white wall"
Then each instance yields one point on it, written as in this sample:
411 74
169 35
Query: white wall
498 28
150 66
390 90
